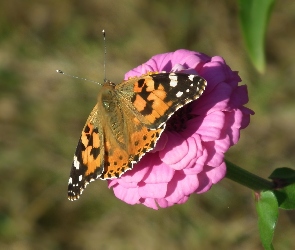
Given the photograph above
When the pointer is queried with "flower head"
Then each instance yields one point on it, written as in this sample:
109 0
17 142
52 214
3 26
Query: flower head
189 156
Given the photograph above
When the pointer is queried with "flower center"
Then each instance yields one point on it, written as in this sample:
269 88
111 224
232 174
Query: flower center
177 122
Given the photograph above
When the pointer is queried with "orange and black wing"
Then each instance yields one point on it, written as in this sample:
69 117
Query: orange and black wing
88 163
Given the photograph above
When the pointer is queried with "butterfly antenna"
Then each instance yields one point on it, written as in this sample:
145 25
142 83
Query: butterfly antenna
104 63
61 72
105 54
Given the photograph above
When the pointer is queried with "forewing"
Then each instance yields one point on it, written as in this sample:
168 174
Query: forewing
157 96
88 161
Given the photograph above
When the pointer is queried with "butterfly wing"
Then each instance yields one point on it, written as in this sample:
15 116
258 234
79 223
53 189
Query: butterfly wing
112 140
157 96
126 142
88 161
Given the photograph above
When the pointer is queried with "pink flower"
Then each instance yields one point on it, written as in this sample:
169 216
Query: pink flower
189 156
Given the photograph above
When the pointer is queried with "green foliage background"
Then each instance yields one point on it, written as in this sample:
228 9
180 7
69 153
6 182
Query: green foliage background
42 114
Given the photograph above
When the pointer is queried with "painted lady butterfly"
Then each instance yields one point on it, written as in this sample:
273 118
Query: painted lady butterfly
126 123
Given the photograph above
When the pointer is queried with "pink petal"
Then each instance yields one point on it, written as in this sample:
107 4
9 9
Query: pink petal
112 182
175 150
239 97
127 184
246 118
180 186
163 203
216 100
177 160
205 183
198 165
232 126
129 195
153 190
217 174
211 126
214 73
189 58
215 154
183 200
149 202
159 173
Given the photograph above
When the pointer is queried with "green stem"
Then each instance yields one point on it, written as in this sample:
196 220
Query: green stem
246 178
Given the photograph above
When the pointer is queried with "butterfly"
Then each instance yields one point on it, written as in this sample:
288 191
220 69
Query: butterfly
126 123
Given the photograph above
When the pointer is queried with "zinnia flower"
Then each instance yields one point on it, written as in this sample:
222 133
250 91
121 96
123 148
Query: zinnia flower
189 156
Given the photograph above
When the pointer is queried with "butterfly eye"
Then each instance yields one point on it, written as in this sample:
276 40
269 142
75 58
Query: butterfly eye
107 99
106 105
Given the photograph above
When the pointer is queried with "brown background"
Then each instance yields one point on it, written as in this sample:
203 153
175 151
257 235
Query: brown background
42 114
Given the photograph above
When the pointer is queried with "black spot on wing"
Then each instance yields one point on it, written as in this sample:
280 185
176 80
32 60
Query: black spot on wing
148 108
95 152
140 83
86 129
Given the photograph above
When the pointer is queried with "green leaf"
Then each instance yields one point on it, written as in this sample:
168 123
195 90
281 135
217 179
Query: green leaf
267 210
287 174
284 180
286 197
254 15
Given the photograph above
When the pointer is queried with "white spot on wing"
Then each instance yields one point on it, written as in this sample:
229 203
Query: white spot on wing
76 163
70 180
80 177
173 79
191 77
179 94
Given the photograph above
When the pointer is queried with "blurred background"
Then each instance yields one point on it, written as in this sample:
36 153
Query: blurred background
42 114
